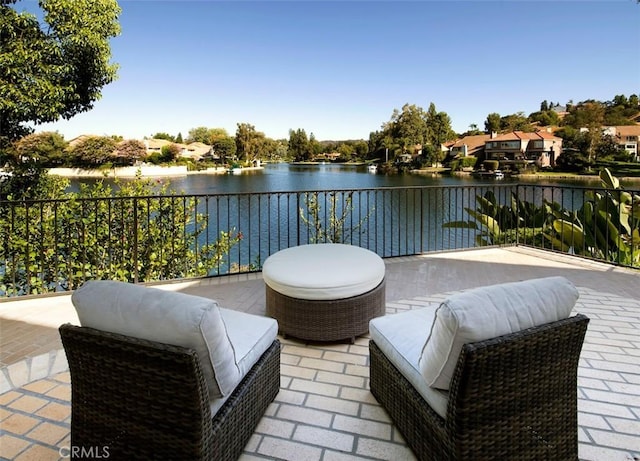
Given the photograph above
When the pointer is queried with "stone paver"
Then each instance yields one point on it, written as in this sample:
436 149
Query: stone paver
325 411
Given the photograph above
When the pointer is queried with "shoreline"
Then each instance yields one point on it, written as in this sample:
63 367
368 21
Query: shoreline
181 170
145 171
531 176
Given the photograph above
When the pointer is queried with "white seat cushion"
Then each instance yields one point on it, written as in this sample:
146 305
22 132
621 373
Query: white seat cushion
250 336
401 338
167 317
487 312
323 271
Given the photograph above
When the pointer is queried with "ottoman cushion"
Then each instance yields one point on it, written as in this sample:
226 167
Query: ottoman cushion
323 271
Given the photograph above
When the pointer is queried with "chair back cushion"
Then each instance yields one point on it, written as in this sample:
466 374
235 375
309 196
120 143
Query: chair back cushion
488 312
166 317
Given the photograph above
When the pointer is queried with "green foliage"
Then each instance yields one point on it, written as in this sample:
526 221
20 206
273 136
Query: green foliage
32 183
545 117
155 158
249 142
466 162
165 136
503 224
314 146
205 135
618 111
139 234
328 220
347 152
463 162
169 153
608 149
492 123
299 148
129 151
411 128
490 165
431 155
515 122
57 69
439 129
93 151
45 149
605 227
225 147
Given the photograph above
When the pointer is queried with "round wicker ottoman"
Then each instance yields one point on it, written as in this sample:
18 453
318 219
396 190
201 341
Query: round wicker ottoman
324 292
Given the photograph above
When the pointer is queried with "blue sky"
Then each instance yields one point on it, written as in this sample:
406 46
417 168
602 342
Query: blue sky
338 69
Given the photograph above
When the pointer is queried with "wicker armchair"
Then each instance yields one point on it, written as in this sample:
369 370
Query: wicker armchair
513 397
140 399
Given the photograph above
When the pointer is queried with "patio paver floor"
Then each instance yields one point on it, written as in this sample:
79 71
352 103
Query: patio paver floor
324 410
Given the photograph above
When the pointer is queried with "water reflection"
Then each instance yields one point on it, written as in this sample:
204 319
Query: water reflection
391 215
284 177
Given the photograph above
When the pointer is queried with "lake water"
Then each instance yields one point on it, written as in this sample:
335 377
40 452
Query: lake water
284 177
387 213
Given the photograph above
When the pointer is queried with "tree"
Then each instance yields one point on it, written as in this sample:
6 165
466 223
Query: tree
409 127
225 147
472 131
165 136
315 147
93 151
179 138
545 118
46 149
439 129
129 151
50 71
248 142
361 149
515 122
492 123
170 152
620 100
299 145
199 134
406 129
347 151
279 150
589 115
206 135
609 149
139 234
57 69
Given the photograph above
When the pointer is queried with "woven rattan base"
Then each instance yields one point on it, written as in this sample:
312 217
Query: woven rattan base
512 398
141 399
326 320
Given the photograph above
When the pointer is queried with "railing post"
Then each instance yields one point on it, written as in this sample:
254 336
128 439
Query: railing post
298 218
517 219
135 240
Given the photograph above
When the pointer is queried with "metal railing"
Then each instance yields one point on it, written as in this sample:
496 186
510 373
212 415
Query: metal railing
55 245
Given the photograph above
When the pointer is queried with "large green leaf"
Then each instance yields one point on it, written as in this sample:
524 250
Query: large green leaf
488 222
487 204
608 180
570 233
461 225
556 243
